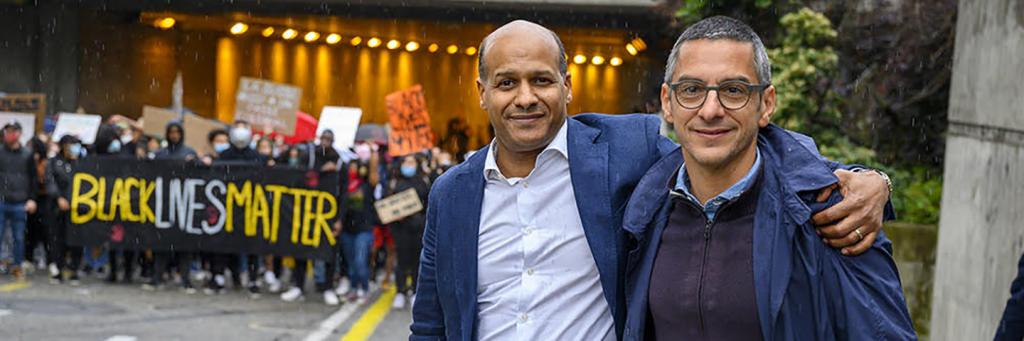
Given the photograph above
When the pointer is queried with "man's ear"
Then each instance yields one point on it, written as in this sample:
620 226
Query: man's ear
480 90
568 87
666 103
767 106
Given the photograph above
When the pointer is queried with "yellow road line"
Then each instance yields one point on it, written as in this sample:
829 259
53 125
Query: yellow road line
363 328
15 286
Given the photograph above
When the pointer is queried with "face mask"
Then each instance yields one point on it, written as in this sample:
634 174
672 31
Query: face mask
408 171
127 138
363 152
221 147
75 150
240 137
114 147
293 161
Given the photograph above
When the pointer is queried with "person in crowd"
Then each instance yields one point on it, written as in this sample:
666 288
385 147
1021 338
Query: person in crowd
37 232
240 152
525 221
1011 327
358 180
219 142
59 172
108 145
17 192
408 232
324 159
176 149
265 147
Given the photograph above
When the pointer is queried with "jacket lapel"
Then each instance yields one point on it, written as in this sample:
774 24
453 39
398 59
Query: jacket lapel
588 168
464 218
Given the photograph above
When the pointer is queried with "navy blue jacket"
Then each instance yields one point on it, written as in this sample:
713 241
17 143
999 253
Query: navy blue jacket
1012 325
607 156
805 290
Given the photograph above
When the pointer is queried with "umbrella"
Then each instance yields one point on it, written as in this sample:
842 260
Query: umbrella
372 133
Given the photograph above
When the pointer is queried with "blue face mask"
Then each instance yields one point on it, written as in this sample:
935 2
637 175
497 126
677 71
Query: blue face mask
221 147
75 149
408 171
114 147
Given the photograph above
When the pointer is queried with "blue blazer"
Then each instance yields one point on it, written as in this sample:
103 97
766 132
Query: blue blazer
804 289
1012 325
607 157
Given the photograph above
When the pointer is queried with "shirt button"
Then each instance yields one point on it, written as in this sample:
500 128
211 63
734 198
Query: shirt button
526 184
529 272
528 230
523 318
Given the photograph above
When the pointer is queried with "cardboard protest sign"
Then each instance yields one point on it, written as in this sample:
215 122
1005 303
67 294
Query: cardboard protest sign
398 206
27 122
196 130
410 122
183 206
80 125
34 104
154 120
263 103
343 121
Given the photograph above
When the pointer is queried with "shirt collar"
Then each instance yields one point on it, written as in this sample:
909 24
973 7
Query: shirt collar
730 194
558 145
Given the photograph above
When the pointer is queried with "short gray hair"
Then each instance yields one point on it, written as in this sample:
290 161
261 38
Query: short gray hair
722 27
563 64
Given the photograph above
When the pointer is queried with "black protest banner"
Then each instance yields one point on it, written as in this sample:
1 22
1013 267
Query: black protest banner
182 206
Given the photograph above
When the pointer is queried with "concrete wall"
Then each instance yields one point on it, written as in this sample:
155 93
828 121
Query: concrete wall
981 233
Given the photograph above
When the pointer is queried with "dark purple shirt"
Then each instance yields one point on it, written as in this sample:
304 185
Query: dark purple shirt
702 283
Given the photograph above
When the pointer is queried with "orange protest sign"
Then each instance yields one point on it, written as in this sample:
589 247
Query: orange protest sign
410 122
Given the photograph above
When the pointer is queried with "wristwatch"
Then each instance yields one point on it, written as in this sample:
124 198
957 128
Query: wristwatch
888 181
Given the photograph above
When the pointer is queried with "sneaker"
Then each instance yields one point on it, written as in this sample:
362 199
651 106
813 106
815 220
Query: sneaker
343 288
148 287
189 290
54 271
27 267
399 302
55 280
292 295
330 298
254 291
361 297
74 281
274 287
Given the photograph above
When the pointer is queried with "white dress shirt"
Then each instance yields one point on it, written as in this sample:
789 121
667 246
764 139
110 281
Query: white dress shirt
537 279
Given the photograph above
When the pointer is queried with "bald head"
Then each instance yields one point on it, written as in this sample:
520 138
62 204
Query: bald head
525 32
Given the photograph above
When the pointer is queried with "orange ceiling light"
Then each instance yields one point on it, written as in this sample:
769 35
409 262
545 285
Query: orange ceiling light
239 28
289 34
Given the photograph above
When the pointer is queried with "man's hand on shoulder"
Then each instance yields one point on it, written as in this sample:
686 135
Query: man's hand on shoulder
853 224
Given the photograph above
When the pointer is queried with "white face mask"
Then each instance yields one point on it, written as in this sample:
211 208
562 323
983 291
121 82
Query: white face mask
126 138
240 137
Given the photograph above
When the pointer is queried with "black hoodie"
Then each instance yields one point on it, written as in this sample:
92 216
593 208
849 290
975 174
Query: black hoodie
175 151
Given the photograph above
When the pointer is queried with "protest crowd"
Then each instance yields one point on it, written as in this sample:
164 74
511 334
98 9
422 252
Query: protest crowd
35 205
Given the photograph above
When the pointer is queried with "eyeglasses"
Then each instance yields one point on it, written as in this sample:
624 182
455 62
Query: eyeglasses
732 95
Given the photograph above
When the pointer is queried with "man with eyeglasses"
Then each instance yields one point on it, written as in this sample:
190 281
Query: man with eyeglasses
725 244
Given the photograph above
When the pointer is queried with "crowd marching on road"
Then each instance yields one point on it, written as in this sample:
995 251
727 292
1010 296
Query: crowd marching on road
35 206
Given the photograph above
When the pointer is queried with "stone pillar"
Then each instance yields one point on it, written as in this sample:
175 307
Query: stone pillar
981 229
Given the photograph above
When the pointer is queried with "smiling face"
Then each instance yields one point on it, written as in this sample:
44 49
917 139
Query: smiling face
712 136
523 92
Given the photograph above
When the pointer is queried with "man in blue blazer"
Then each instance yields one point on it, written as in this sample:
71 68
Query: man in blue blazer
523 241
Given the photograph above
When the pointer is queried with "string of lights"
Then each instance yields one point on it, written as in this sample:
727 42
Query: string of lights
633 48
